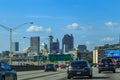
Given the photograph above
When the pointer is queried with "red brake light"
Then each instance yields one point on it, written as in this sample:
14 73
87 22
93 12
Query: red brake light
112 63
100 63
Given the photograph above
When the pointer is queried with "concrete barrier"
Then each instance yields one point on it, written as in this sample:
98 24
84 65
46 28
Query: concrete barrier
27 67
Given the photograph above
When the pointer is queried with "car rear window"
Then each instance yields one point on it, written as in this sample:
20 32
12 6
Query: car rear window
106 60
50 65
79 63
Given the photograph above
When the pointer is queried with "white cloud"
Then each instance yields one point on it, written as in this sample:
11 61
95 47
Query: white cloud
48 30
76 26
110 24
73 26
108 39
38 29
88 43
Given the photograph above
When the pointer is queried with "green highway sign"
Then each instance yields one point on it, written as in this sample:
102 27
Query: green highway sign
60 57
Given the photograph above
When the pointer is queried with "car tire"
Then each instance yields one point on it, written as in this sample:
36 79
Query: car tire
69 77
99 71
15 77
3 78
114 71
90 76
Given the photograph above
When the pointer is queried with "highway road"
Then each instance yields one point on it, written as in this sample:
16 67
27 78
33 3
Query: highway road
61 75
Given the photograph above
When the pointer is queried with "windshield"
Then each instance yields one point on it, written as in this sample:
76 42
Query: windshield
84 64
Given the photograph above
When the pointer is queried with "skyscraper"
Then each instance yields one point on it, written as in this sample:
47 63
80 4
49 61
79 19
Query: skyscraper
53 46
67 43
82 48
15 46
50 43
35 44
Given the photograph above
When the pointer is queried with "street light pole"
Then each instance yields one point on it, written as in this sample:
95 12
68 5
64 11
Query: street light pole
11 29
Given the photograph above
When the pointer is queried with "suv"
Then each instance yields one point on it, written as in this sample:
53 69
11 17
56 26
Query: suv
50 67
79 68
106 64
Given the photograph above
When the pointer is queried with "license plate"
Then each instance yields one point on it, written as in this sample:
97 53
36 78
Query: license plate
106 65
78 73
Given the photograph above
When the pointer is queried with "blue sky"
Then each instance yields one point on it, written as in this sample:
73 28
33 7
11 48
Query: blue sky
92 22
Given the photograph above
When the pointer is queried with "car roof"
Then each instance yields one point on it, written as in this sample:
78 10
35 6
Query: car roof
105 58
79 60
49 64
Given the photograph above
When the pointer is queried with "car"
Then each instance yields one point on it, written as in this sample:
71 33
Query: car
50 67
118 64
106 64
7 72
78 68
62 66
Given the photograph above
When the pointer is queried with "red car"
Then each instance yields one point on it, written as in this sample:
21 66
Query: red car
62 66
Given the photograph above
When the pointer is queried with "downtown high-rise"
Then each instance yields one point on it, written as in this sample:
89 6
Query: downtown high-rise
67 43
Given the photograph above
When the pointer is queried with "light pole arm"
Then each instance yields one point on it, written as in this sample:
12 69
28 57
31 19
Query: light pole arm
21 25
7 28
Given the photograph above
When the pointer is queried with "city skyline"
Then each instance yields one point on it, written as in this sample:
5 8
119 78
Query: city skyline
91 22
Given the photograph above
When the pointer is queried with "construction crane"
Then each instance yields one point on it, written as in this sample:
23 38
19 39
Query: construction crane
12 29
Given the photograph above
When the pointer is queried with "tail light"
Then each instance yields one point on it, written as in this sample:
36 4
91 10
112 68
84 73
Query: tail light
112 63
100 63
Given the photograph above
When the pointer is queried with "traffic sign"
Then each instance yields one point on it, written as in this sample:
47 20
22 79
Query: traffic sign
60 57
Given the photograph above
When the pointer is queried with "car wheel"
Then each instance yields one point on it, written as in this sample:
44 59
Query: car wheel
99 71
114 71
90 76
3 78
15 77
69 77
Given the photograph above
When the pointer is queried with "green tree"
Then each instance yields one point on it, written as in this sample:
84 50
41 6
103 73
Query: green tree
90 59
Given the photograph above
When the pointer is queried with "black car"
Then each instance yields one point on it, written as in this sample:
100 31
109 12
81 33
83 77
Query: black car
106 64
50 67
7 72
79 68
